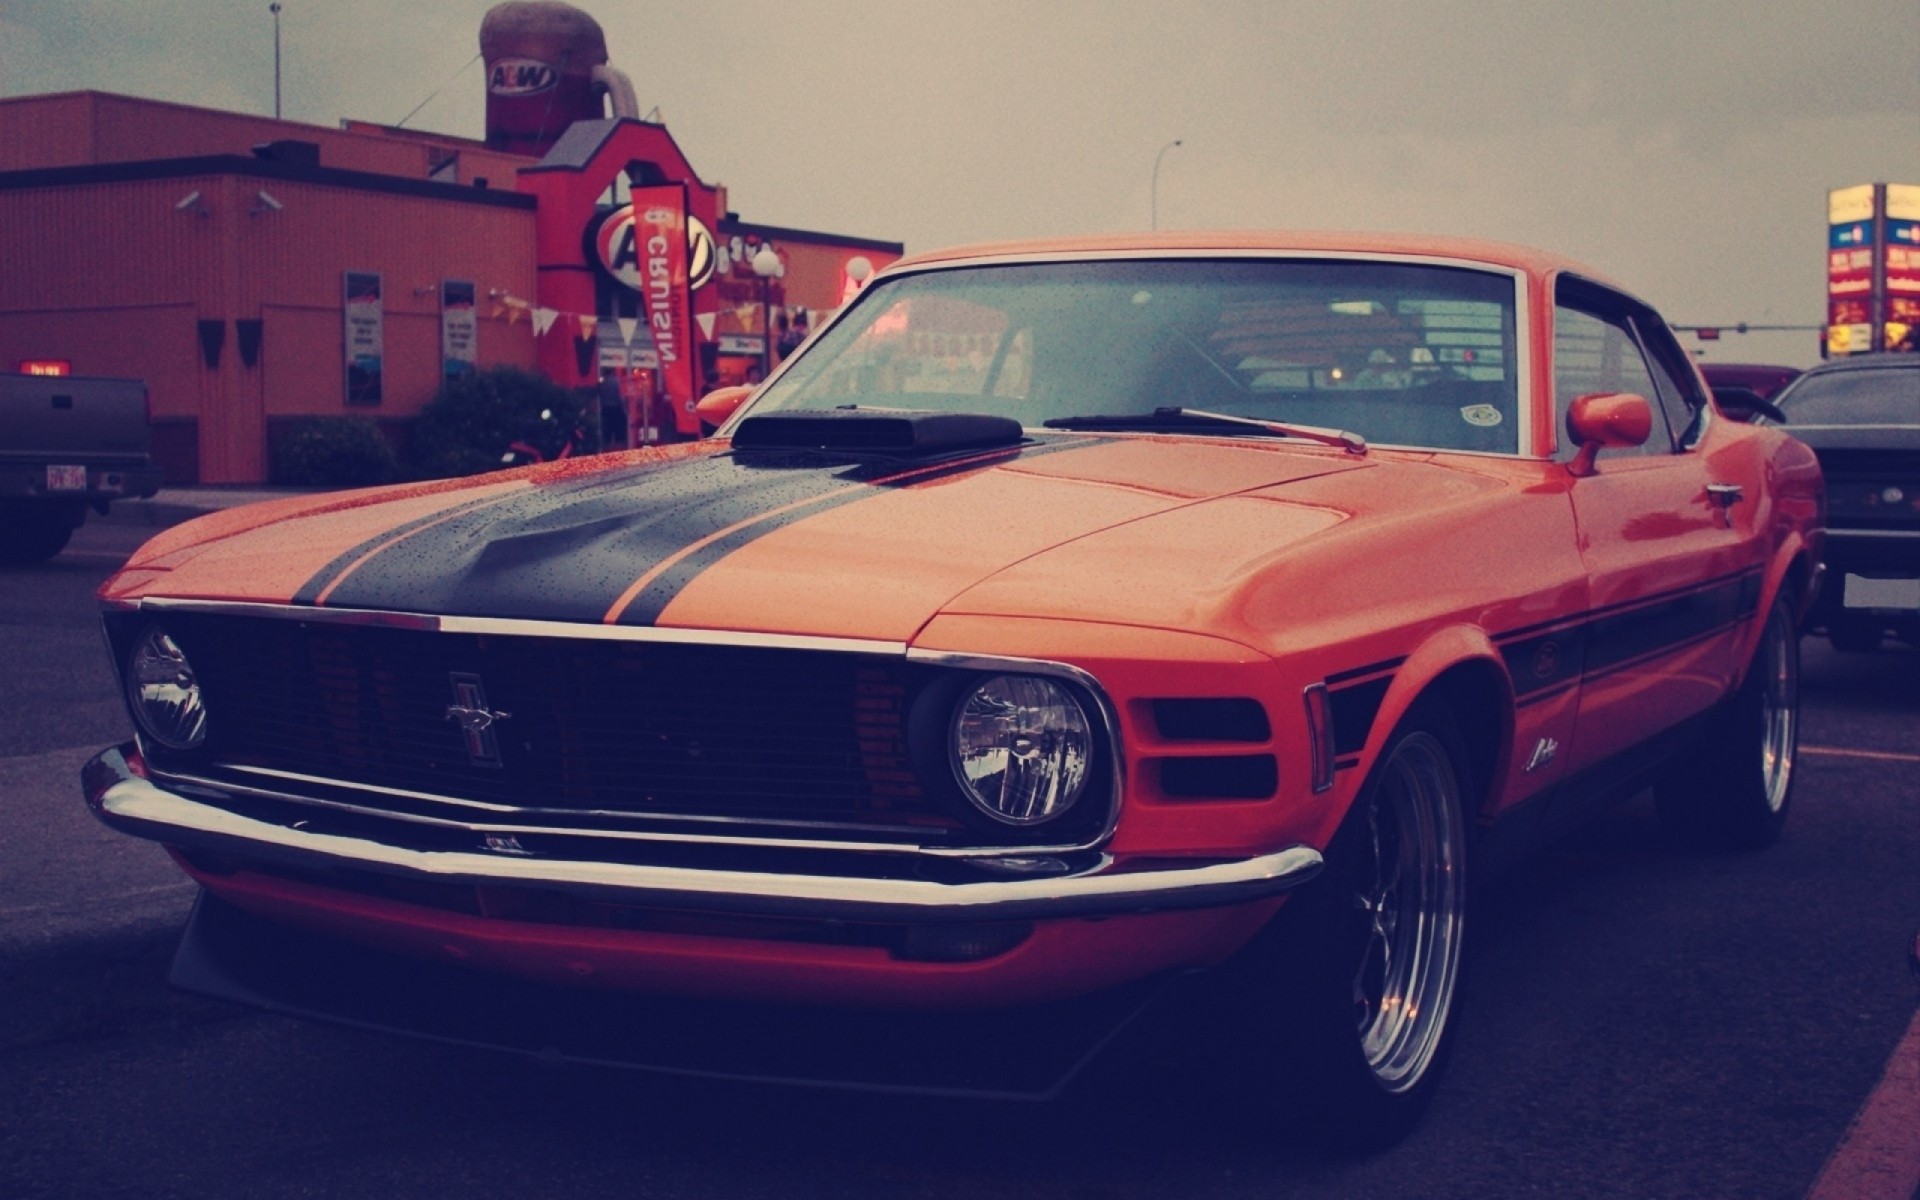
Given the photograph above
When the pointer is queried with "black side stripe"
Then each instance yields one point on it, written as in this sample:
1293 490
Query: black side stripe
1551 658
1385 664
1354 708
1623 635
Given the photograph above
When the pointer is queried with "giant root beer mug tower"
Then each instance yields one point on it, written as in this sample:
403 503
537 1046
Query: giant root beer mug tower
623 234
546 68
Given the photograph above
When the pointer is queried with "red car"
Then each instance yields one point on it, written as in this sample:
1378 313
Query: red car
1065 618
1760 379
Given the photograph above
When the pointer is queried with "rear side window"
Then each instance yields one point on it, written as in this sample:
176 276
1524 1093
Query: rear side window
1679 396
1597 352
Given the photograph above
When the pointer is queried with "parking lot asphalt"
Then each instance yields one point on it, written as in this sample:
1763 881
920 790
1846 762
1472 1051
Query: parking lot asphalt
1638 1020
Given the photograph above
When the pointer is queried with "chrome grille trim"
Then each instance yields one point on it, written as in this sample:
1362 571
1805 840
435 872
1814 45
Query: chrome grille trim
510 810
202 788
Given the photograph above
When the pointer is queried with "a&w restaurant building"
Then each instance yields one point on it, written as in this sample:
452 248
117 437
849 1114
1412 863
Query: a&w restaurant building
254 270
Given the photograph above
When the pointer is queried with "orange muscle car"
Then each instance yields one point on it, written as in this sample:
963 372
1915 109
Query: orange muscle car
1064 618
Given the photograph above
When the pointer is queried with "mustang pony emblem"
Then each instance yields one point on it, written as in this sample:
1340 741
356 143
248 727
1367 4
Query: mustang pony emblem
469 707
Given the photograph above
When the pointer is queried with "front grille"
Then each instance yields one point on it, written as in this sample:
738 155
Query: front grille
1860 502
633 729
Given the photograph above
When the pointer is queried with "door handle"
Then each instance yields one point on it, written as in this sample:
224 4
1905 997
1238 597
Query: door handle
1726 495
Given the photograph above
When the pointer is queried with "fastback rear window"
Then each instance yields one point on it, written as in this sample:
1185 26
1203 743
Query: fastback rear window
1870 396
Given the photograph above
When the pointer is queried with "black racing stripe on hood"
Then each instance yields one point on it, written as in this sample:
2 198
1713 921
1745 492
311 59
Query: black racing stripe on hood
567 551
311 591
646 607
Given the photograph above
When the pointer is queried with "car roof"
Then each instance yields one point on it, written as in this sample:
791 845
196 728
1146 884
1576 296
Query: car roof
1731 368
1867 362
1498 254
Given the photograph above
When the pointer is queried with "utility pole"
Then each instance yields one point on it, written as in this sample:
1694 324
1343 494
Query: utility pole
274 8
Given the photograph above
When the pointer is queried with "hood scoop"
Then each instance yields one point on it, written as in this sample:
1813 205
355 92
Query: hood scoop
876 431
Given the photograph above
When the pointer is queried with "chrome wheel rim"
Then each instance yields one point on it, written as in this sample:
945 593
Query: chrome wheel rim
1412 902
1779 709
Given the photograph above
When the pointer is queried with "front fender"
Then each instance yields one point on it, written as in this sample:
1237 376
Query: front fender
1457 652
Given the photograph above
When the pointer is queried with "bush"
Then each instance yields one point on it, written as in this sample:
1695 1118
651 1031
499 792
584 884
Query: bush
471 424
331 452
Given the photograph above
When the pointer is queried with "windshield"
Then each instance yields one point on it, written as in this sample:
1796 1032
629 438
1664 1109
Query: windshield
1399 354
1870 396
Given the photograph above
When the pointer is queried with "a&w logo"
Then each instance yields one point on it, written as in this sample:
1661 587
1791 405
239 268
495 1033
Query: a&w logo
616 245
619 253
520 77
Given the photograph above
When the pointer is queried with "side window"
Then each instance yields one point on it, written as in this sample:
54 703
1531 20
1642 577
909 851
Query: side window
1680 393
1596 352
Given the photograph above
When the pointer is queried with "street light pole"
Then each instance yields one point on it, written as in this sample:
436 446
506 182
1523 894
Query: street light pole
274 8
1156 179
767 265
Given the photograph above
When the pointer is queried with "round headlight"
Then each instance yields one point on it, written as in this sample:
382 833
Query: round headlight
163 693
1021 748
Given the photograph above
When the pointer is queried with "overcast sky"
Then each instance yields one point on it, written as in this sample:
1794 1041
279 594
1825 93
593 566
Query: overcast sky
1683 148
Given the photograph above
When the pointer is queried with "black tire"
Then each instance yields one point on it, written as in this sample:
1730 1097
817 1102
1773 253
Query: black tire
1731 790
31 533
1363 1068
1851 635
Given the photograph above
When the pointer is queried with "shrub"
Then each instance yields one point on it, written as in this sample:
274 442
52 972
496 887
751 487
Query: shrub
477 417
331 452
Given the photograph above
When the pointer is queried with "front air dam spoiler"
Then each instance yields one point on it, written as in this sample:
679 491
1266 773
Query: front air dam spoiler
1030 1053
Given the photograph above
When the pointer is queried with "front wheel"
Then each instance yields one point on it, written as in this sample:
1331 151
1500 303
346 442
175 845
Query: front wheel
1366 961
1731 789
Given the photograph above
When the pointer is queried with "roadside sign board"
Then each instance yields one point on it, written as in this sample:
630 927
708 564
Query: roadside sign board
1873 268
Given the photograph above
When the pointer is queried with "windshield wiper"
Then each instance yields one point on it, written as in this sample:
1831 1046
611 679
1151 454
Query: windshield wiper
1174 418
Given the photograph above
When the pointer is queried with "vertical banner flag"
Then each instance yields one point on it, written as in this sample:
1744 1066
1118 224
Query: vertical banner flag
659 233
365 336
459 328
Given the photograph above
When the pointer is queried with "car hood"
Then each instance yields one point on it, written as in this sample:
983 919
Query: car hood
794 542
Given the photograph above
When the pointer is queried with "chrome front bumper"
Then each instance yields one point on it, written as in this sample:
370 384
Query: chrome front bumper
127 802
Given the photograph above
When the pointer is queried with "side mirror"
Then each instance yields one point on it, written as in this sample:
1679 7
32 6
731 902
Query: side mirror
1606 420
1744 404
717 405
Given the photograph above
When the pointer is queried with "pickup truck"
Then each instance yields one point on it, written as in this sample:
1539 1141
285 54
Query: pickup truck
67 444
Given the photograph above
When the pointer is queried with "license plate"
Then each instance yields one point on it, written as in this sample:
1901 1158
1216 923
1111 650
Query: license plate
66 479
1862 592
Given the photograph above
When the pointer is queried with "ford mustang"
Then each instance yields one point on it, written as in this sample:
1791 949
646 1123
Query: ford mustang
1062 620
